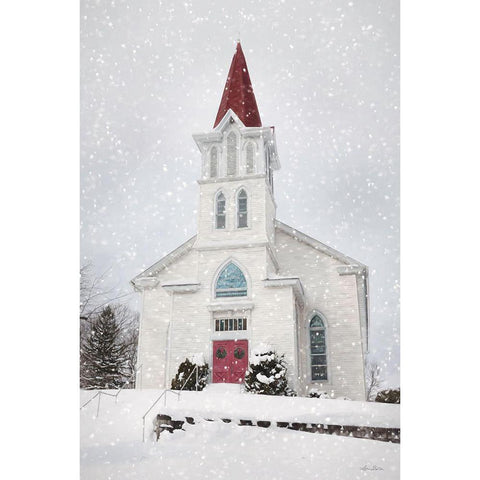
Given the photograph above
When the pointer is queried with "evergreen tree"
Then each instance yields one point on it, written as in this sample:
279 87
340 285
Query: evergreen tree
267 373
184 371
105 353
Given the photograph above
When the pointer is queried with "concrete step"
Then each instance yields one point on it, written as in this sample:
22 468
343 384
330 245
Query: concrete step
166 423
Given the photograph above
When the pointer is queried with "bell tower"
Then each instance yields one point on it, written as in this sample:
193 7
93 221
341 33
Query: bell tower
239 155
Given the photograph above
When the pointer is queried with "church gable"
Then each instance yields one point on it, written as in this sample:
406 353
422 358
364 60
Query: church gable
315 244
172 266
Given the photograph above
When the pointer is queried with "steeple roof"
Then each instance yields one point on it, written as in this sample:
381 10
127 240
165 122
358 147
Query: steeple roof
238 93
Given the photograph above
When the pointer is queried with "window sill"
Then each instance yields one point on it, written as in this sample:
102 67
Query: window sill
231 306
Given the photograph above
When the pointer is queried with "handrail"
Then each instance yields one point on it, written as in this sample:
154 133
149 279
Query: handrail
164 394
100 393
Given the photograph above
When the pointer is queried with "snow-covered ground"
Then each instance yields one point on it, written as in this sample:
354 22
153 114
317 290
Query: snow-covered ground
112 447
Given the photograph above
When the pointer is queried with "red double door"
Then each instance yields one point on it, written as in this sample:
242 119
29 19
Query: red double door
230 361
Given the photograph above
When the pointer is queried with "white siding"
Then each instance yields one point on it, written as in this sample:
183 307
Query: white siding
335 297
271 320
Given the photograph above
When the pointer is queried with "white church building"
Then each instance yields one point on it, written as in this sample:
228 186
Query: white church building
246 278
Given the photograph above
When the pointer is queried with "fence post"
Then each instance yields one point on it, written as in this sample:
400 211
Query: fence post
98 405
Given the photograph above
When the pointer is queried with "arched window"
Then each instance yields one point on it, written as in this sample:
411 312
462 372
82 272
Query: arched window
231 282
213 162
242 217
318 349
250 153
220 211
231 154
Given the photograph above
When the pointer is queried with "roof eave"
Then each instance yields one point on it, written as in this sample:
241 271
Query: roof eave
163 263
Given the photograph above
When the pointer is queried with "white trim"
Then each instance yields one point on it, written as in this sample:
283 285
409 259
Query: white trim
231 245
209 156
237 153
164 262
273 256
169 342
139 375
361 279
350 270
234 306
142 283
216 135
302 237
293 282
225 121
182 287
231 334
230 178
255 152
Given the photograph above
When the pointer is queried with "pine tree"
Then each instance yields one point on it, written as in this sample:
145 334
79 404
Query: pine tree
267 373
105 353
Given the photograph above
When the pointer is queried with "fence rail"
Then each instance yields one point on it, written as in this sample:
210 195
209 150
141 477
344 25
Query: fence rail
100 393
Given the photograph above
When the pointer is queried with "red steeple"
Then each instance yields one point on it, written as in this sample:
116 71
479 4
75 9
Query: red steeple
238 93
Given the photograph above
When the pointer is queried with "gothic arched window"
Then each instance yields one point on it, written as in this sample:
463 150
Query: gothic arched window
220 211
318 349
242 212
250 153
231 282
213 162
231 154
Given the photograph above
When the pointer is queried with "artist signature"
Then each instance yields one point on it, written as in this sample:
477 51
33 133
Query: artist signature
370 468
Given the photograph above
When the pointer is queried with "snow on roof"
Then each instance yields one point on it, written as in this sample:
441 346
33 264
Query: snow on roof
302 237
165 261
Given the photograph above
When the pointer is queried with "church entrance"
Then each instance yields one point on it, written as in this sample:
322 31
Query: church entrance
230 361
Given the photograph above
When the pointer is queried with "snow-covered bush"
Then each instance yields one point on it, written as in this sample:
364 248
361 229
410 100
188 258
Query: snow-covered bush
316 393
267 373
388 396
184 371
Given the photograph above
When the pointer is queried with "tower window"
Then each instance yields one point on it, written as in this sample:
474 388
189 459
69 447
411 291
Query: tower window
250 156
220 211
213 163
268 166
231 282
242 212
318 349
231 154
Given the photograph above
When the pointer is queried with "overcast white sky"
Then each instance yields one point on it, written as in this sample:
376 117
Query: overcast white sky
325 73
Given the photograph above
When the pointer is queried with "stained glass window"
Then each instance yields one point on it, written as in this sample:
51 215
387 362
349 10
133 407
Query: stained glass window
318 349
231 282
242 209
